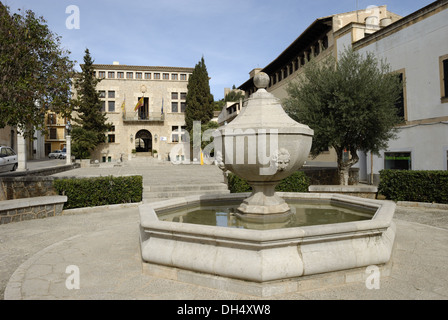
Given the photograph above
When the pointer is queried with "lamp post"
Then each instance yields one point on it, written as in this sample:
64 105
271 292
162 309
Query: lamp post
68 139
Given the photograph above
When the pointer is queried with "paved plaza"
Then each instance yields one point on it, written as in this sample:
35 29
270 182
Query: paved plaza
103 243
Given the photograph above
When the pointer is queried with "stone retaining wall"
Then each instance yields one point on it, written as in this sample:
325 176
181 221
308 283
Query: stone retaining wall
31 208
12 188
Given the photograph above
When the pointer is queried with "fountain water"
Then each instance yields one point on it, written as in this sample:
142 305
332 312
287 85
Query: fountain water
263 145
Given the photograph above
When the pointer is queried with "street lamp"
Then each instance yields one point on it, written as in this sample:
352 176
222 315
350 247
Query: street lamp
68 127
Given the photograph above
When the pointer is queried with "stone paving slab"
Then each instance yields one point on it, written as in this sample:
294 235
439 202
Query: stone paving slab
104 245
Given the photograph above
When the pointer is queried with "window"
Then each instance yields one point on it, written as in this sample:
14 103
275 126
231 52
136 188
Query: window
183 77
138 75
111 94
166 76
53 133
120 75
443 64
183 106
157 76
399 105
175 134
112 129
111 138
102 94
147 76
111 105
103 106
397 161
183 95
51 118
174 107
174 76
174 95
129 75
184 134
102 74
111 74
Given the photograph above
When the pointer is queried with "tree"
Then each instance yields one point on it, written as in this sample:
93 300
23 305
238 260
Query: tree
350 105
200 102
90 124
35 73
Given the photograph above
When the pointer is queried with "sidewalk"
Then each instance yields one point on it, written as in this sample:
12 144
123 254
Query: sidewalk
104 244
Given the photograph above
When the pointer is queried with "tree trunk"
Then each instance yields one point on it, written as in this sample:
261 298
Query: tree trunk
344 166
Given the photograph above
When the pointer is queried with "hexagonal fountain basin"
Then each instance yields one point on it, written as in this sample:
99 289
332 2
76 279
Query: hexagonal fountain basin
262 256
303 213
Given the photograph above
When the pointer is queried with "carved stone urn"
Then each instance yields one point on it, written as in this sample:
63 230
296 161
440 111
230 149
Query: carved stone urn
263 145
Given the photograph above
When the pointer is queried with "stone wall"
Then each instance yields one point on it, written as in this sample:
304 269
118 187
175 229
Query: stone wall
31 208
26 187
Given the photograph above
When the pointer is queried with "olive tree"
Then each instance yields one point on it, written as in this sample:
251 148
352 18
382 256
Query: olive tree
350 103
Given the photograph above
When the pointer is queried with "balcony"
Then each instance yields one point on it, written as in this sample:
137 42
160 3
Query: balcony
144 117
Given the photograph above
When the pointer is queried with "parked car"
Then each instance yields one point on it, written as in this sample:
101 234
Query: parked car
56 154
63 154
8 159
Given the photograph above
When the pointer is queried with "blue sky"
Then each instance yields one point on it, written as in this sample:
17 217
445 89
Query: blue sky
234 36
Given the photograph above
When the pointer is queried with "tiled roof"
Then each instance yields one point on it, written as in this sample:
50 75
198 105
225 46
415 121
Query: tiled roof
140 68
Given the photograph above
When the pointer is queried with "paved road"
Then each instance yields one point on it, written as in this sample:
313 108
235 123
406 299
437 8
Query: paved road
104 244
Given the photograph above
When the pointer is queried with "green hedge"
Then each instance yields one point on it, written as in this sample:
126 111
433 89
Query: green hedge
99 191
297 182
418 186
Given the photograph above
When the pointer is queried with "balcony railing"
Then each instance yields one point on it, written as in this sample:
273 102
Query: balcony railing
142 117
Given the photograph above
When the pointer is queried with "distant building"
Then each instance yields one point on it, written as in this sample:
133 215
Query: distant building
318 41
416 46
231 108
56 132
154 126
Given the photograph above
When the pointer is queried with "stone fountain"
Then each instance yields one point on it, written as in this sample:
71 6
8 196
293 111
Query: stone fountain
264 145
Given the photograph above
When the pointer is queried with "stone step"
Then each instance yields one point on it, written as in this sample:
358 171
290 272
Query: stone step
176 194
159 196
185 188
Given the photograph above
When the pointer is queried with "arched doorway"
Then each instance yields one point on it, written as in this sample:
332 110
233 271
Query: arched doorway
143 141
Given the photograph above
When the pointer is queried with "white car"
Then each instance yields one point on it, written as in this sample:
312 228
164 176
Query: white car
55 154
8 159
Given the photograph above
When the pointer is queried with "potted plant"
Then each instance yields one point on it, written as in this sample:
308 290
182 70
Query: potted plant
154 153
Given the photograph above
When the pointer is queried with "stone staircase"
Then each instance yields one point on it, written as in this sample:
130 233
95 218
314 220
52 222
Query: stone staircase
163 192
164 181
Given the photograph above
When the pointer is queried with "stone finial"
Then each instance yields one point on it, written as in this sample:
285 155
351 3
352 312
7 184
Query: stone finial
261 80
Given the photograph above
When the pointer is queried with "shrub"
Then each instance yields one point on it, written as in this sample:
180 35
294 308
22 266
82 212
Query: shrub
99 191
418 186
297 182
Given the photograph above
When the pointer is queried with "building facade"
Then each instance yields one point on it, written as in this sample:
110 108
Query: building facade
146 107
415 46
55 139
318 41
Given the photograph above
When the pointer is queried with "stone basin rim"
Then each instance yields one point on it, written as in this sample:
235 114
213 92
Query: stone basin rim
380 222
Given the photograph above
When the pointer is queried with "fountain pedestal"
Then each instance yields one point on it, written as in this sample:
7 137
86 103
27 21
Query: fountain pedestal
264 204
